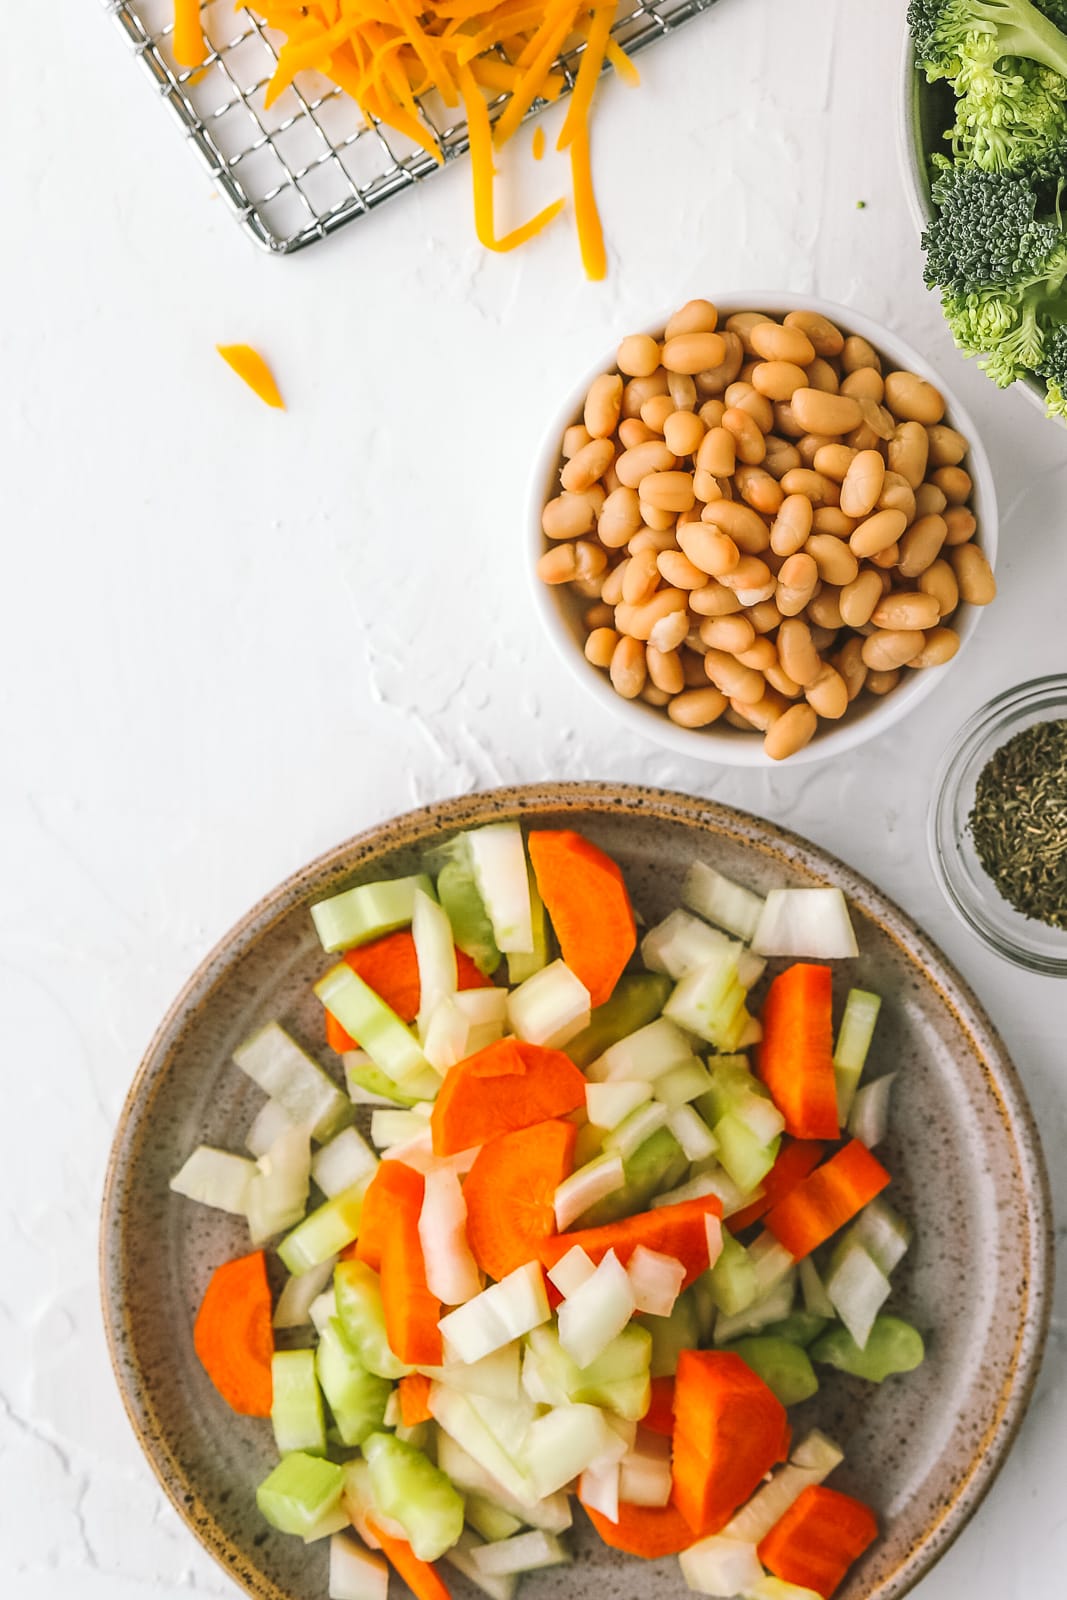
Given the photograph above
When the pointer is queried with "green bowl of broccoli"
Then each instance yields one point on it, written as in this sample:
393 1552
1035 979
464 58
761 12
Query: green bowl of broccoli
984 129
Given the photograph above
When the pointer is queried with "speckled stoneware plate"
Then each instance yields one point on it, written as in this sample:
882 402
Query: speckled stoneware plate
964 1153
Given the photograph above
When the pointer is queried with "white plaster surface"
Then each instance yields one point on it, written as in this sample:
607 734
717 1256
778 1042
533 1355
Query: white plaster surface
230 637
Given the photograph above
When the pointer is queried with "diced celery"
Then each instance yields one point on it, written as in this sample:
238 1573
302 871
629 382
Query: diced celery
460 1422
357 1398
499 1314
415 1493
324 1232
523 1552
721 1566
278 1194
617 1381
461 1556
771 1260
784 1367
721 900
681 942
682 1084
710 1002
812 1460
565 1441
484 1006
586 1186
800 1327
489 1519
496 1376
597 1312
270 1121
366 912
747 1161
369 1085
550 1008
388 1127
343 1163
671 1335
769 1588
498 857
892 1346
760 1314
523 964
733 1278
299 1294
607 1104
869 1118
709 1178
692 1133
857 1287
699 1291
853 1042
761 1117
359 1306
331 1523
656 1280
589 1144
358 1502
296 1404
637 1000
571 1271
883 1232
391 1046
816 1299
810 923
656 1165
289 1075
552 1513
461 899
633 1131
300 1491
215 1178
323 1307
655 1048
356 1573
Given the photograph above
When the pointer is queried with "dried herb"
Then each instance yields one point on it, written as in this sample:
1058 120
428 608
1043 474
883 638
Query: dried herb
1019 821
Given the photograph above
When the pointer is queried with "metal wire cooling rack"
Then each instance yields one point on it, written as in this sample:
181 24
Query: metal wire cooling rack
310 164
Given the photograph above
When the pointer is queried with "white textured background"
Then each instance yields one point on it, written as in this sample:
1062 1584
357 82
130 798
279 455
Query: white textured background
231 637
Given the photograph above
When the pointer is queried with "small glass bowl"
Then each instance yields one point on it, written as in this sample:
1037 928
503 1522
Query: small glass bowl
967 887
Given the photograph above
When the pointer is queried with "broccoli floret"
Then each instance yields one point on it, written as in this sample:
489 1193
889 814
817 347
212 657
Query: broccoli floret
1011 114
949 32
1054 370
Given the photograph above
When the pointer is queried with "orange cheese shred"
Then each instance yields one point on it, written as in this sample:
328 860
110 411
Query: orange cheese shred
190 46
250 366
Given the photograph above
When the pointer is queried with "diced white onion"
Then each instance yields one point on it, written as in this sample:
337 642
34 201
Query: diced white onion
645 1472
277 1195
299 1294
633 1130
857 1288
813 923
692 1133
597 1312
289 1075
598 1488
585 1187
498 857
271 1121
651 1050
551 1008
216 1178
656 1280
343 1162
523 1552
869 1118
452 1274
388 1128
812 1460
461 1556
607 1104
721 900
499 1314
571 1271
435 953
563 1443
721 1566
355 1573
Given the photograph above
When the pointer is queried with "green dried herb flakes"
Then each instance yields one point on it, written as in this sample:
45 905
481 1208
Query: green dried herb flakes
1019 821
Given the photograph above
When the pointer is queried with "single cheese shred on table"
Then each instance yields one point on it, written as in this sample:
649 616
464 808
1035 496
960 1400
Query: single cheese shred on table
386 53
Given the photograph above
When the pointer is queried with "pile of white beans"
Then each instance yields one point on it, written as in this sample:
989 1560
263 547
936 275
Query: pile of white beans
761 525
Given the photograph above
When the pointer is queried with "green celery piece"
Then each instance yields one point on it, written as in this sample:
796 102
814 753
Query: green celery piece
703 1305
638 999
853 1042
368 1076
772 1307
733 1277
366 912
682 1085
358 1296
490 1520
300 1492
746 1160
655 1167
893 1346
459 894
357 1398
784 1367
410 1489
816 1299
618 1380
296 1404
325 1232
802 1328
671 1335
523 964
708 1002
390 1044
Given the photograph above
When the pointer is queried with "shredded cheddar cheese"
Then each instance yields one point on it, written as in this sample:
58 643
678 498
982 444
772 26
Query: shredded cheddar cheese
250 365
386 53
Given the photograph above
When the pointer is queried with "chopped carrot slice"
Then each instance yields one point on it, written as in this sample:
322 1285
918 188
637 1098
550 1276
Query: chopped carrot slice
233 1335
421 1578
390 967
796 1057
659 1417
824 1201
414 1392
646 1531
729 1431
509 1193
587 899
250 365
507 1086
796 1158
679 1231
411 1311
817 1540
386 1191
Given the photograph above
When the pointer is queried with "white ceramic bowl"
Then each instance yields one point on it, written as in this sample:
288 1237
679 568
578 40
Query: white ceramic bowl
560 610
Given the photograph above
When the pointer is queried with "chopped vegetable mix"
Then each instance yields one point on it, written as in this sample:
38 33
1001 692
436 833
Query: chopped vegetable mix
597 1253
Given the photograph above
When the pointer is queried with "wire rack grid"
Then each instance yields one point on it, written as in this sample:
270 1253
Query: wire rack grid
298 171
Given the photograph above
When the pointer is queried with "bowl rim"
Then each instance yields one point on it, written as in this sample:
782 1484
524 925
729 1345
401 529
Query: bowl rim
713 745
346 860
946 784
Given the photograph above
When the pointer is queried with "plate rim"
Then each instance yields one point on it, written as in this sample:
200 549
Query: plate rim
1001 1076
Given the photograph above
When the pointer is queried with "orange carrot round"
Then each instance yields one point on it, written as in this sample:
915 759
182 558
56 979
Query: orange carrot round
646 1531
509 1192
679 1231
818 1539
729 1431
507 1086
233 1336
384 1193
796 1056
411 1311
589 905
